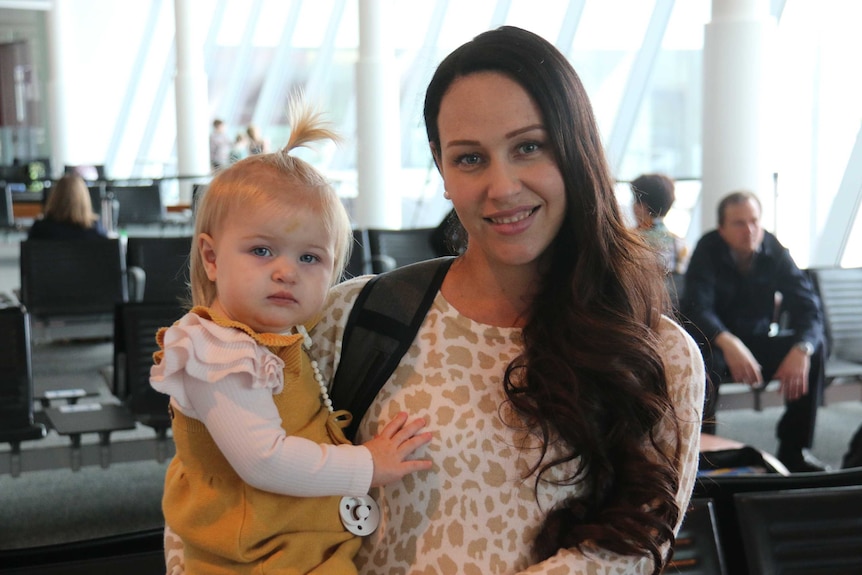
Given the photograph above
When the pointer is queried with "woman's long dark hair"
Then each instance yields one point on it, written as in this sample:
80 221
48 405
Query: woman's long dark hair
591 375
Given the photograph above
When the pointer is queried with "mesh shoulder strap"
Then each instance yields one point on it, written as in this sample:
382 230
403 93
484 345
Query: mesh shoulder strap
379 330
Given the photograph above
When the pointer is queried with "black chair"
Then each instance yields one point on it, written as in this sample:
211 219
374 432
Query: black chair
12 174
7 214
698 548
722 489
392 249
360 257
197 191
135 330
70 288
162 263
138 553
97 194
139 204
16 385
812 531
840 290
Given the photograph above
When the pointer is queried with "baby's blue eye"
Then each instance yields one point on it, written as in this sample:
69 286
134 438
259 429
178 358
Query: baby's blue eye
262 252
308 258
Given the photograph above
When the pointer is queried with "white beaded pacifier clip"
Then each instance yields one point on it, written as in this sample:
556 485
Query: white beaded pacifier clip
360 515
318 377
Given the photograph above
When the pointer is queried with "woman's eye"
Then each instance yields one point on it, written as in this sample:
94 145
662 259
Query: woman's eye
262 252
468 159
529 147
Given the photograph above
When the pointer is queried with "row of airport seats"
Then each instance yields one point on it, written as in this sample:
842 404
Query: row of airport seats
81 291
132 401
131 203
123 289
70 289
805 523
377 250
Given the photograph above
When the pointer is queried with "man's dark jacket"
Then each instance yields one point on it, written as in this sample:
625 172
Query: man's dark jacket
718 297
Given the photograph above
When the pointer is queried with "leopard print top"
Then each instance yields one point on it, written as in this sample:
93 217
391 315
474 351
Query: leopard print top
474 512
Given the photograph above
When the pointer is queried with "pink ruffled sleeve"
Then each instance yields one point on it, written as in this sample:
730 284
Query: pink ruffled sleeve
199 350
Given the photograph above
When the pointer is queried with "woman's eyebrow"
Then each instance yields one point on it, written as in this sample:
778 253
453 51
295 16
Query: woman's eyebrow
511 134
529 128
462 143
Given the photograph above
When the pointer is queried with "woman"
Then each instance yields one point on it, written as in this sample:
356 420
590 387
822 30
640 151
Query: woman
568 407
68 213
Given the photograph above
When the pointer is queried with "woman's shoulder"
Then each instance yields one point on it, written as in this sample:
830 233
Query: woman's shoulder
328 331
342 295
683 361
676 343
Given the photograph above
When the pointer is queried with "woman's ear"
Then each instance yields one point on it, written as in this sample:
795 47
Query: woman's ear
206 246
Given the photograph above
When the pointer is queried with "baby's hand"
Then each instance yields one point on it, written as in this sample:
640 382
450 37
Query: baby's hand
392 446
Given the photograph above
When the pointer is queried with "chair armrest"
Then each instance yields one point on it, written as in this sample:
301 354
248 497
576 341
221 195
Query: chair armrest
136 278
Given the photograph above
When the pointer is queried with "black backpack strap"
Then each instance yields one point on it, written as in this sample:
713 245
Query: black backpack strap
380 328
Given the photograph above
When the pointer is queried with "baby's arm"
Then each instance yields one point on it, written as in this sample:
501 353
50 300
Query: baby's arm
245 425
392 446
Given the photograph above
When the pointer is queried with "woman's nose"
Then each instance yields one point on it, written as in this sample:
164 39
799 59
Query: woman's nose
503 179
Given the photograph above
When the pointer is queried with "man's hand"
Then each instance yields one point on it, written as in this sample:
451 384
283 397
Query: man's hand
793 373
739 359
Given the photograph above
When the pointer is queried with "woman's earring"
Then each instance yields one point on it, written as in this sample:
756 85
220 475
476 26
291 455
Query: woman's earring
446 195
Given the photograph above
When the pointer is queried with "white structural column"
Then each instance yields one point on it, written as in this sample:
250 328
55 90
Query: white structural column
57 85
378 157
844 210
192 100
736 92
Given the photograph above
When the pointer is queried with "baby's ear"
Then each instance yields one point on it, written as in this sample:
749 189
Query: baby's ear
206 246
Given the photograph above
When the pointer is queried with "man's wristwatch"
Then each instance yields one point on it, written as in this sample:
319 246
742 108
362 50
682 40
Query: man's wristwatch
806 347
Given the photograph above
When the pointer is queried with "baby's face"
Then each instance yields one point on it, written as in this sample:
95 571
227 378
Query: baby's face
272 266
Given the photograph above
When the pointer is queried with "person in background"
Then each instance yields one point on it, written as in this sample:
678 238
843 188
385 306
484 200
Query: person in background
220 145
263 474
256 143
239 149
731 285
68 213
653 197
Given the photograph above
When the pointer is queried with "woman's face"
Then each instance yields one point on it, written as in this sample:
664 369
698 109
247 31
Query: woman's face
499 169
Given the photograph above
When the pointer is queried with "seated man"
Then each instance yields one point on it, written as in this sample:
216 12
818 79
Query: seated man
731 284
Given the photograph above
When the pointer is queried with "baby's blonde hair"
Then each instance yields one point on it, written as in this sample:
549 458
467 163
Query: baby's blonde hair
241 184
